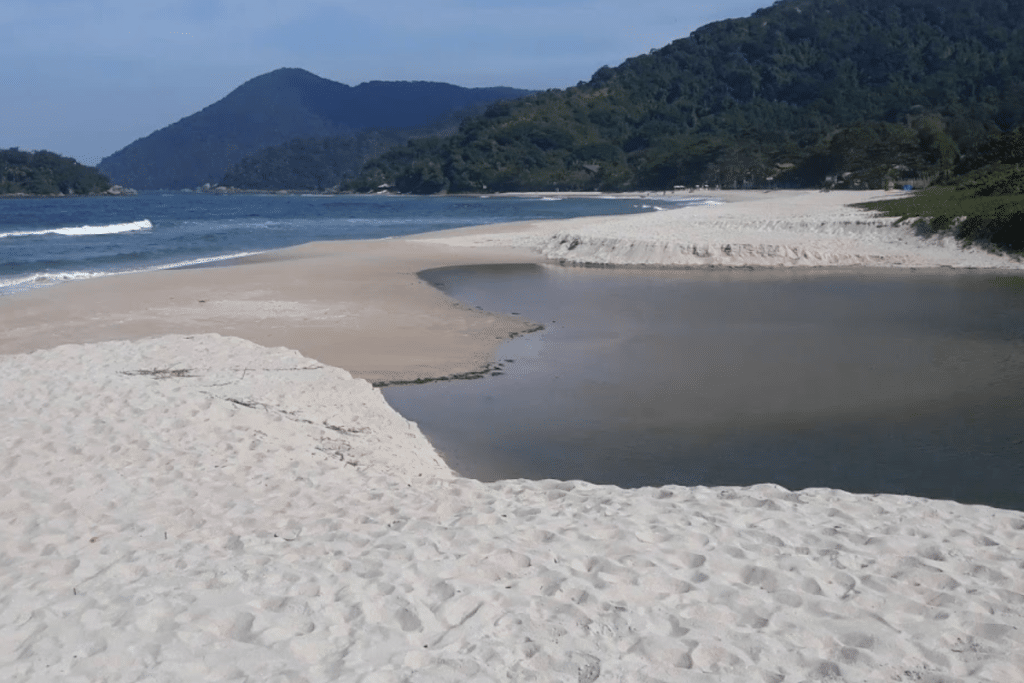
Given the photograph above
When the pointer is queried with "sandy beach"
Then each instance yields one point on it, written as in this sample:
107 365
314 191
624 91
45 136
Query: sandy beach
200 483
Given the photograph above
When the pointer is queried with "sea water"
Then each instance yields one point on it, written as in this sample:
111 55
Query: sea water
867 381
44 241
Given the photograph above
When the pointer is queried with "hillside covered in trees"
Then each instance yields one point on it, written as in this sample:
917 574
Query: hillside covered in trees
310 163
981 202
851 93
46 173
274 109
327 163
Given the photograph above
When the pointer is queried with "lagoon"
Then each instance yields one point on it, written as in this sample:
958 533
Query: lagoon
904 382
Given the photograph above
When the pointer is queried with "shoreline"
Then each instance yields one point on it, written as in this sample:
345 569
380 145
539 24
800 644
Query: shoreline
359 304
194 489
356 305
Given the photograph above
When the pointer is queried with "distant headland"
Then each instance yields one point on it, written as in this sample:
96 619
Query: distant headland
46 174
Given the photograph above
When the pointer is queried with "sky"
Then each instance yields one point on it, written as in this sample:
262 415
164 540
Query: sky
85 78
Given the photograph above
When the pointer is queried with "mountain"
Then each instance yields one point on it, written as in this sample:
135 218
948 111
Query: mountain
310 163
46 173
805 92
274 108
328 162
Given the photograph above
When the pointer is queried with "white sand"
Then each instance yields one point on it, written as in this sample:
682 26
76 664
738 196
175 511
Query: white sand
261 517
202 508
773 229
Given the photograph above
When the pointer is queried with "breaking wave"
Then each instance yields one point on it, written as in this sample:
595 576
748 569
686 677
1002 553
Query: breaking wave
36 280
85 230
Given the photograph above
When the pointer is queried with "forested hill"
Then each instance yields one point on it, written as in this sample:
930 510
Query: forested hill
982 202
857 91
326 163
315 164
46 173
274 108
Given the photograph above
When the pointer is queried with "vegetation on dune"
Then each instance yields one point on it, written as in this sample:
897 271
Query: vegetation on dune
46 173
982 202
846 93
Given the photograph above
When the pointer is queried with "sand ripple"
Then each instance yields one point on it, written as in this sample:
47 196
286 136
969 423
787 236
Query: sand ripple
202 508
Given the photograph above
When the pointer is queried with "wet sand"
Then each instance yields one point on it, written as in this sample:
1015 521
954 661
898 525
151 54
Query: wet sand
359 304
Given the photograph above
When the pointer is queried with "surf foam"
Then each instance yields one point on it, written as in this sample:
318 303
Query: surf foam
83 230
35 280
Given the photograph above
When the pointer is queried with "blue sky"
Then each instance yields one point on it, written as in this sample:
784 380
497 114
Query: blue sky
84 79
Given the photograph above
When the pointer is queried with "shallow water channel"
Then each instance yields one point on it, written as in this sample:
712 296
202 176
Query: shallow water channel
868 381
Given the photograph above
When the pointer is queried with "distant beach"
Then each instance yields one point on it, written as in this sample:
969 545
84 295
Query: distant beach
200 482
48 241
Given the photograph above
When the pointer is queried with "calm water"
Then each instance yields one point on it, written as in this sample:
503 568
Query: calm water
47 241
888 382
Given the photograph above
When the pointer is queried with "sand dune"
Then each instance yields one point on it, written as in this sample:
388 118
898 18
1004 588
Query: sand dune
775 229
203 508
198 507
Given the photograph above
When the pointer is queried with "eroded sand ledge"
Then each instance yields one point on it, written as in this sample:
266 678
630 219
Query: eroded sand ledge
200 507
747 229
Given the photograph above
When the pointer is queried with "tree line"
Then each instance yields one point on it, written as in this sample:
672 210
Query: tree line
981 202
46 173
848 93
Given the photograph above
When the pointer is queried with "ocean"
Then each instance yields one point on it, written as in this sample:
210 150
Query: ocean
46 241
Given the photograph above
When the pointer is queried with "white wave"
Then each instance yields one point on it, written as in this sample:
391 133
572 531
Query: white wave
199 261
49 278
691 201
37 280
86 230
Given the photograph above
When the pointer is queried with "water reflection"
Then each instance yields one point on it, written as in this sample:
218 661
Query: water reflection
907 382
